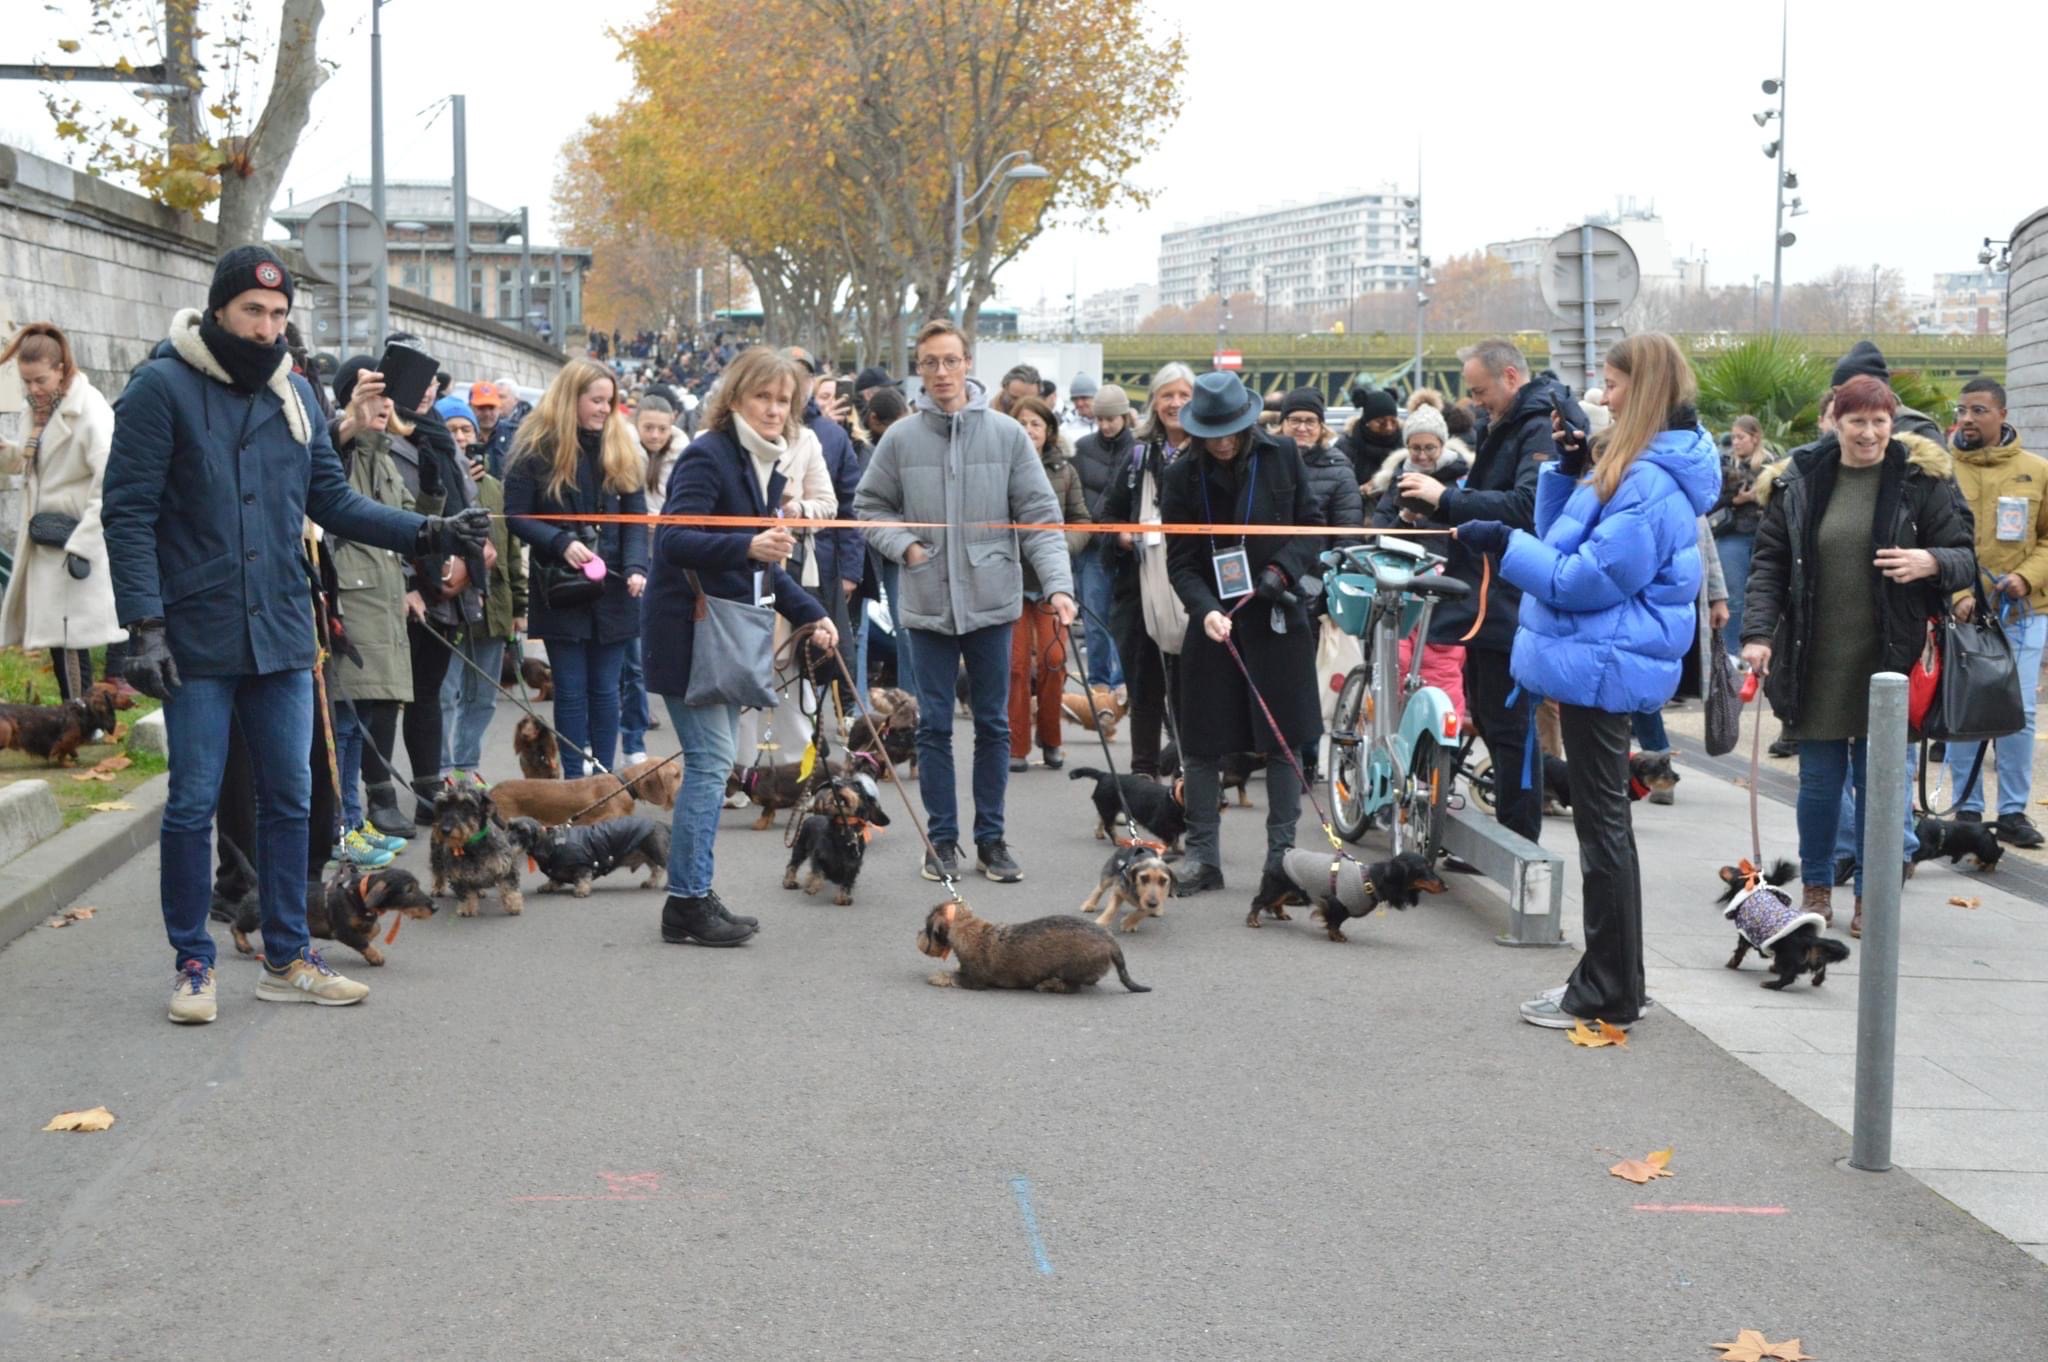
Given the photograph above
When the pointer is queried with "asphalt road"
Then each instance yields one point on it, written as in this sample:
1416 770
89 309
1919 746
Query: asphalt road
553 1136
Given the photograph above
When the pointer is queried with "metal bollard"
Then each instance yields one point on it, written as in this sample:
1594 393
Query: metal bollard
1877 992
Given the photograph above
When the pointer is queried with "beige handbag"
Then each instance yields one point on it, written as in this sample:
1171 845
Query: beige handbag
1166 619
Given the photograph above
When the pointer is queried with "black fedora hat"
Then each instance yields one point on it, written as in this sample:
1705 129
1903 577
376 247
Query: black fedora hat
1220 406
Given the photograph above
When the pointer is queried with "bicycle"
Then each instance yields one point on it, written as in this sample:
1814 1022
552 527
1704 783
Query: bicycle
1396 746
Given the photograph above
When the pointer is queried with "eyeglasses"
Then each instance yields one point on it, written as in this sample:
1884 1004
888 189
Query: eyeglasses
1974 410
941 364
1302 421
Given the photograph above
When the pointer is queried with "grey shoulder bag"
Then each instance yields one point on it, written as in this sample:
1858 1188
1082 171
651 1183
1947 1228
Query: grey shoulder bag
732 658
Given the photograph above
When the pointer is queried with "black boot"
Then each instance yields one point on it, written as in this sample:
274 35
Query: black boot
693 921
718 907
384 814
425 791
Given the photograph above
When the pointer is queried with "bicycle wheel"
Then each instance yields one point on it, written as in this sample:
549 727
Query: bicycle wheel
1434 769
1347 758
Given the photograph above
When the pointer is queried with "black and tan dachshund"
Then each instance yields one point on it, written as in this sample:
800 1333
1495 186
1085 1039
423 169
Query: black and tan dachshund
834 836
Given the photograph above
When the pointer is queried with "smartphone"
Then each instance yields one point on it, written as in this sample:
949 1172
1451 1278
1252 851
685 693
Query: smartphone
408 375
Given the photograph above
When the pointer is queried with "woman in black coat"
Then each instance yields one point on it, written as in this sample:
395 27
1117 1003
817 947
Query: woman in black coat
1240 589
734 468
573 454
1864 538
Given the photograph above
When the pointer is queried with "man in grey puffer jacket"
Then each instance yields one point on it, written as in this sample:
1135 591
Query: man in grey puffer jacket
960 465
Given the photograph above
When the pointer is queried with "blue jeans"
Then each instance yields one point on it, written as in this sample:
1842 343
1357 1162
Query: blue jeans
586 700
348 754
468 702
1735 551
1648 728
276 714
632 700
906 670
709 735
1845 834
2015 751
1093 574
987 654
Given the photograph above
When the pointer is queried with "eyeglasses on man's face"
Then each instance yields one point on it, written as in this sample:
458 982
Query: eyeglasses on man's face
1975 409
941 364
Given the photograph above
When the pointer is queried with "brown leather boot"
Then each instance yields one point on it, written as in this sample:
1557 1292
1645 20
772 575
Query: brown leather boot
1856 919
1819 899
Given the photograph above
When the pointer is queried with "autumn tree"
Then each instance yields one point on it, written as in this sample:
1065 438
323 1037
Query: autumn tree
833 178
213 144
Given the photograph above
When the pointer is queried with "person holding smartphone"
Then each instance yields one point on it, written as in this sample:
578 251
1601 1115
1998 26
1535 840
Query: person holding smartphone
576 455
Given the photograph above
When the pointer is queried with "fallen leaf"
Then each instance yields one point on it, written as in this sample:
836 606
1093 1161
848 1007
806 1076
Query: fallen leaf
1751 1346
114 763
69 916
92 775
1959 901
112 806
1651 1165
1599 1034
97 1118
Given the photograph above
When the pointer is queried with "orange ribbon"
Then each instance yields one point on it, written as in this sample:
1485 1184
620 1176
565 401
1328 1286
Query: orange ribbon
766 522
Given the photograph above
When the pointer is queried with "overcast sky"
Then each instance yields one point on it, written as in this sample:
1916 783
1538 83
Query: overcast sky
1913 130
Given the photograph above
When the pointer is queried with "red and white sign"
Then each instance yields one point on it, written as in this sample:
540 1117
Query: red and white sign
1228 359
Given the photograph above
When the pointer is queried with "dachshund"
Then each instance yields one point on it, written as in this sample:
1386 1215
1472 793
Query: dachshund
540 756
834 837
1049 954
1340 888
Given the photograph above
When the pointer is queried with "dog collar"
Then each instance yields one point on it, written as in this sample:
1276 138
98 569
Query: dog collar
1636 789
474 839
363 889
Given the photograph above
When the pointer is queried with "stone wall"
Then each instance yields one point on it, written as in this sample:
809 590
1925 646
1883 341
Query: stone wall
112 268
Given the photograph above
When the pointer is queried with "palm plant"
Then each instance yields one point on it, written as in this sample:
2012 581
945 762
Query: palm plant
1924 395
1773 378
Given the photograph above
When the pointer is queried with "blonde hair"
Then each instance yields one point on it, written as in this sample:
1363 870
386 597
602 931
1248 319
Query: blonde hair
1659 381
752 370
549 434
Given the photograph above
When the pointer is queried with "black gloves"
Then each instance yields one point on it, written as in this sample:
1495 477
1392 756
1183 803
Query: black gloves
149 667
78 567
465 532
1574 449
1272 583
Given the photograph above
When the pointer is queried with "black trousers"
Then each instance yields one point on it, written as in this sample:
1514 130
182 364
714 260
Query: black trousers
379 722
1505 728
1608 984
430 659
1151 676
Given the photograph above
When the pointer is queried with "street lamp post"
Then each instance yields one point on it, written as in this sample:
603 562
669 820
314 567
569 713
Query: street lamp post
377 163
1776 149
1004 172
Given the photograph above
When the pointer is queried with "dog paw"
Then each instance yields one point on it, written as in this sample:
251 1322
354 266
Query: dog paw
843 899
466 910
943 979
789 879
1281 913
1336 935
372 956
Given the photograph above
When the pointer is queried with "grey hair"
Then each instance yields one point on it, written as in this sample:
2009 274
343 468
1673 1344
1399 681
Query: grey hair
1173 372
1496 355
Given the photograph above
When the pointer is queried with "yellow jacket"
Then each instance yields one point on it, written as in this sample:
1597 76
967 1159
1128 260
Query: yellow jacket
2007 472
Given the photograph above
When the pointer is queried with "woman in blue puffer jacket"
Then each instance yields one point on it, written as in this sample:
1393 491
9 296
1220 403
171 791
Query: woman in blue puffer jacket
1610 585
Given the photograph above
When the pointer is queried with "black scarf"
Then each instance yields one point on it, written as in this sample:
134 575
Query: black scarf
249 364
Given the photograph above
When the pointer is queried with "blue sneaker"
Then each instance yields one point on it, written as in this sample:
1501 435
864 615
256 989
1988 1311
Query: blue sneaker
357 851
378 840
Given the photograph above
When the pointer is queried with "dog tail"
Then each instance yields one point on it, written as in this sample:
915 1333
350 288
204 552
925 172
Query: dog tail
1085 773
1116 954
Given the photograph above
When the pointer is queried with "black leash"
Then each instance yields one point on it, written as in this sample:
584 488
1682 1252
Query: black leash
1108 760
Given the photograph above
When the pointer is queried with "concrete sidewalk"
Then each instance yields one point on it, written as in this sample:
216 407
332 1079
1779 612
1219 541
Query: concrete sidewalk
1972 1076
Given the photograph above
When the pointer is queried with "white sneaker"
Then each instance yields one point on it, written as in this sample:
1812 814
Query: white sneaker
193 1002
308 980
634 758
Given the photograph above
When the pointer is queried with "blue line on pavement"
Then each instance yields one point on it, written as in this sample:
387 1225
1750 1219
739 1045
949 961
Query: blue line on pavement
1020 1188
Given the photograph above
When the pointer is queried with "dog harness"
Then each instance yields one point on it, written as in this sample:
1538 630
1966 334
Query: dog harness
1765 915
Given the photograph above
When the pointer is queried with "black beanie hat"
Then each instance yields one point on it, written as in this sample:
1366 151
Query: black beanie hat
1301 399
1373 403
1863 358
244 268
345 377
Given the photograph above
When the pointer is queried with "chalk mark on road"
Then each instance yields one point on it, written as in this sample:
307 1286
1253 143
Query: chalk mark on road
1709 1210
1020 1188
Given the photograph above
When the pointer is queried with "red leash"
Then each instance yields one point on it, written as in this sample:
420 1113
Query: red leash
1278 736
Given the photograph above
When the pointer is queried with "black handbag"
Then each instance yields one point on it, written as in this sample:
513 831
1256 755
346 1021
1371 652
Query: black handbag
1724 700
51 529
1979 696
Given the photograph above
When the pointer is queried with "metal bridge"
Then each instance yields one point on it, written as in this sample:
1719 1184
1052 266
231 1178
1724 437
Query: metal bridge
1332 364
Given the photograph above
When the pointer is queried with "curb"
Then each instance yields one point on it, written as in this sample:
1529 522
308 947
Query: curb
51 874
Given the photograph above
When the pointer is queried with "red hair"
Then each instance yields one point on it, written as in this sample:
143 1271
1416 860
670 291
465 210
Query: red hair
43 343
1864 393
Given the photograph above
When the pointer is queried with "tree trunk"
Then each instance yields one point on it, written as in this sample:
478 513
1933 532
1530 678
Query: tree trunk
247 188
